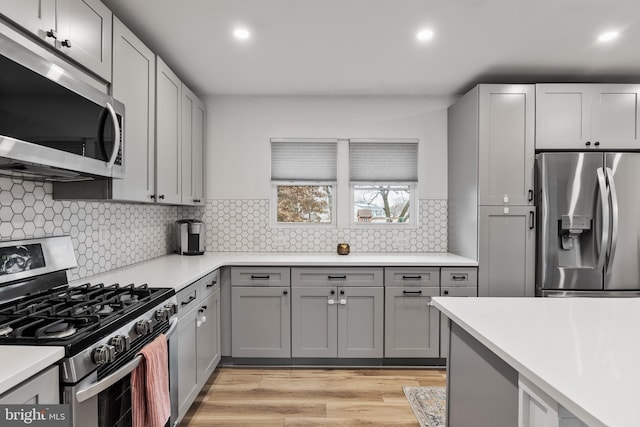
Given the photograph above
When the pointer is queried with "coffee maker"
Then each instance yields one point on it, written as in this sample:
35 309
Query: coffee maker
190 237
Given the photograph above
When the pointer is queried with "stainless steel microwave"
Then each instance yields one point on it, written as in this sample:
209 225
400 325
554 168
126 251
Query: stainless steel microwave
54 126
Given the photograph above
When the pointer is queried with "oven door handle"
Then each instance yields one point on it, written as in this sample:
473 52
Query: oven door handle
95 388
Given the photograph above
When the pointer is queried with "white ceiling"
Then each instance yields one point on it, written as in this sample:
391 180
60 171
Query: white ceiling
368 47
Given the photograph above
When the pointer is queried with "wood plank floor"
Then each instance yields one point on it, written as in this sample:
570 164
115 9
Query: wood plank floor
308 397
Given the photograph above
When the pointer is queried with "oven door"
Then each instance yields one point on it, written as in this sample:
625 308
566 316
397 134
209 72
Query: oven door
107 402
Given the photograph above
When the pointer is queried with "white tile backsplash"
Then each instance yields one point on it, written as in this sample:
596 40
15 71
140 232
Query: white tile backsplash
243 225
104 235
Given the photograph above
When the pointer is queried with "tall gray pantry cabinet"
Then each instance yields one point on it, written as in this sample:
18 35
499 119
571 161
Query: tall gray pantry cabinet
491 156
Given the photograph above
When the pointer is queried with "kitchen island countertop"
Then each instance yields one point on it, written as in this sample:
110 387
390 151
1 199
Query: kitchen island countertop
582 352
20 362
179 271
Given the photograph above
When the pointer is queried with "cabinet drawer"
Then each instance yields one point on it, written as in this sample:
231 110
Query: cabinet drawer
188 298
458 291
464 277
351 276
207 284
260 276
429 277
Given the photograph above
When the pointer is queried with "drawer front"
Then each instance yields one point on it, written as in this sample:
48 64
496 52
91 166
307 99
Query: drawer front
260 276
353 276
188 298
464 277
208 283
414 277
458 291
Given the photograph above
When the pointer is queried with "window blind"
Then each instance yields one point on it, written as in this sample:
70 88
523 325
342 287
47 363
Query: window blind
383 160
304 159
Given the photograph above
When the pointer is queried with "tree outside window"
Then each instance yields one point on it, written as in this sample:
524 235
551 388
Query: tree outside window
304 204
382 203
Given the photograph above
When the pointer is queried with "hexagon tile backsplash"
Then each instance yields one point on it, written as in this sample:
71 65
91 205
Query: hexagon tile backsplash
104 235
243 226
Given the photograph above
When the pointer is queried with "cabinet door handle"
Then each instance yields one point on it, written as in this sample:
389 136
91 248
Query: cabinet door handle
285 292
256 277
187 302
332 292
411 277
337 277
212 284
531 220
66 43
341 292
412 292
588 143
161 197
531 195
52 34
445 292
597 143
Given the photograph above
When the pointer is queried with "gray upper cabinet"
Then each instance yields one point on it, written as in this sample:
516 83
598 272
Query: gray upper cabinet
168 135
84 34
193 143
506 147
134 83
507 251
36 16
587 116
260 321
80 29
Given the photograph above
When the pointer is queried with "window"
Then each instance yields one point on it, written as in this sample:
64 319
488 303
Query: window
383 175
303 176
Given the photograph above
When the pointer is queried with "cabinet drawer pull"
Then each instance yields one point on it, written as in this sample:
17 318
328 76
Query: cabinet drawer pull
212 284
412 292
261 277
337 277
191 299
460 277
531 195
411 277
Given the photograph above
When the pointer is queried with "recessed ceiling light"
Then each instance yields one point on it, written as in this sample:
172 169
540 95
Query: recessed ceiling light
608 36
241 33
424 35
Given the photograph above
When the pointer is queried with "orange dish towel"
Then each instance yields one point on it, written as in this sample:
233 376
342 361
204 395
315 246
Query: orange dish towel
150 402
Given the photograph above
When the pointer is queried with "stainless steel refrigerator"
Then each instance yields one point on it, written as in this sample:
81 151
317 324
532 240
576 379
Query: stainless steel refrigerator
589 224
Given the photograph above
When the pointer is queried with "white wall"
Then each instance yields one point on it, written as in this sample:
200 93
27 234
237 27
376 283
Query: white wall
239 129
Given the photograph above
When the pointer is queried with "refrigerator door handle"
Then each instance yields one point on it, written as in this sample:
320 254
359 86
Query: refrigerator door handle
614 218
604 202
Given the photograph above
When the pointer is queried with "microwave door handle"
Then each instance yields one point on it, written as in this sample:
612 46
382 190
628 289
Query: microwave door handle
100 386
116 135
614 218
604 203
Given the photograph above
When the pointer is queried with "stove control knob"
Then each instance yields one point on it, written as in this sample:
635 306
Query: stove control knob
142 327
104 354
121 343
162 314
171 309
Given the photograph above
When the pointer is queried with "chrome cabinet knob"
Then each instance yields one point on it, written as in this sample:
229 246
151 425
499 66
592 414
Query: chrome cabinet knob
121 343
104 354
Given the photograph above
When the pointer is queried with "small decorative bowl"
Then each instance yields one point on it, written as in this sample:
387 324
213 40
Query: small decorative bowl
343 249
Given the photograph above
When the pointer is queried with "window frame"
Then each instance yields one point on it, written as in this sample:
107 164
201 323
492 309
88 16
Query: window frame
273 214
413 208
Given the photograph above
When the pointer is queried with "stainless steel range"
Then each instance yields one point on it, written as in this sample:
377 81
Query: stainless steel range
101 327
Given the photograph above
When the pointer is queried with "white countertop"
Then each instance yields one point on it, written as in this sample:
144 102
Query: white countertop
583 352
19 363
179 271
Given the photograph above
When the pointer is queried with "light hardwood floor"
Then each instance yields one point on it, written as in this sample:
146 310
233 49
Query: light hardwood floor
308 397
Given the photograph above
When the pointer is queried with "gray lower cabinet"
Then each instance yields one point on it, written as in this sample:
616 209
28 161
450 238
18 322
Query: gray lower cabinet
260 321
506 251
411 324
198 337
337 312
40 389
455 282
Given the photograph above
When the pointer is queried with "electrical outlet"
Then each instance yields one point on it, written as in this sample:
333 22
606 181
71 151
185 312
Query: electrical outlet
280 241
103 234
401 241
